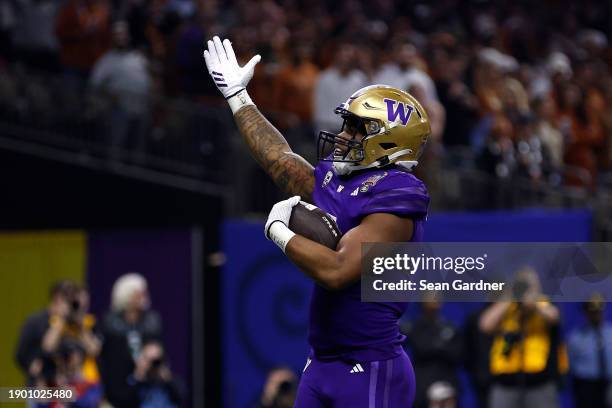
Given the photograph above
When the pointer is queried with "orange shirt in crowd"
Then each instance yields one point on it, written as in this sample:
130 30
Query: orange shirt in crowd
581 148
83 30
294 90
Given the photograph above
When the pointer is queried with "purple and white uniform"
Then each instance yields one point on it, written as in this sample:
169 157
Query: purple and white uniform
356 358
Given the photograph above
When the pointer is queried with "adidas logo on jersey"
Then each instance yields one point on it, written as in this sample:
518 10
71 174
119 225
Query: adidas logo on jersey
307 364
357 369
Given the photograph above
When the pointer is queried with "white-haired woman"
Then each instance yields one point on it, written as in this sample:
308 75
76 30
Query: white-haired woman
125 328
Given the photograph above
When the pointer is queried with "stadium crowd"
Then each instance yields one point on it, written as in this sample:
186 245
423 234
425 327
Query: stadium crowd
525 88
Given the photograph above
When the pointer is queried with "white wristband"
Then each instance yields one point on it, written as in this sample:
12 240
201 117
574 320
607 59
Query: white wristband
239 100
280 234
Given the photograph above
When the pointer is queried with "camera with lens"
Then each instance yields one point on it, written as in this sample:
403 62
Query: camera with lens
74 302
154 371
519 289
285 394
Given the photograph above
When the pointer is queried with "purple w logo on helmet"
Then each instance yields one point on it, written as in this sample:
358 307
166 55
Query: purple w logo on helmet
402 110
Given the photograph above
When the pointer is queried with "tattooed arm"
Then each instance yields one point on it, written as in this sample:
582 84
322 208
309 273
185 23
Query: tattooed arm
291 172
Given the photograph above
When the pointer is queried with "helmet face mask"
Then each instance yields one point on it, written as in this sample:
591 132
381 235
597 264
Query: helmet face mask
338 148
385 126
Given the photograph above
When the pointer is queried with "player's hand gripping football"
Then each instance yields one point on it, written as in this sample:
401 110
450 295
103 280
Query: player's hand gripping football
277 226
223 67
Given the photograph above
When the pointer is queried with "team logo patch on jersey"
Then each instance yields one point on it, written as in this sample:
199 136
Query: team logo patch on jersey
371 181
327 179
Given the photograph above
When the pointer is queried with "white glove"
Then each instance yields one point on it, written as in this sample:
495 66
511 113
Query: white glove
230 78
277 226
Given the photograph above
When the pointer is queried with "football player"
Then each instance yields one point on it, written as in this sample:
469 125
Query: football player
363 179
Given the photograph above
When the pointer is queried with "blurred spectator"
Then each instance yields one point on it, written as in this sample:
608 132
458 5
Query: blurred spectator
434 109
83 30
429 163
526 355
122 74
590 352
538 111
294 88
436 348
65 319
189 60
125 329
583 132
279 390
294 85
532 157
137 15
441 395
335 84
69 364
606 156
498 154
490 78
152 379
460 103
33 36
403 73
476 357
549 134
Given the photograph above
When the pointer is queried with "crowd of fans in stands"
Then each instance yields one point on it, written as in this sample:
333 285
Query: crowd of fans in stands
526 87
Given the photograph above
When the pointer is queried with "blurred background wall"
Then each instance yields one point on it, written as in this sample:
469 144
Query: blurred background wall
30 262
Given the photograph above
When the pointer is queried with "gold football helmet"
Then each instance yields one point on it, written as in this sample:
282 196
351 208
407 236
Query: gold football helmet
394 125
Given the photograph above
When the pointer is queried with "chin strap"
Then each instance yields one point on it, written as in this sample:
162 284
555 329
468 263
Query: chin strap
347 168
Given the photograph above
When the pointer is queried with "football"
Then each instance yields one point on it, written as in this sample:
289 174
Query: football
315 224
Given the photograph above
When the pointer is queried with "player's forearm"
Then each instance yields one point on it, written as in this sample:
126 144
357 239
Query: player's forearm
323 265
290 172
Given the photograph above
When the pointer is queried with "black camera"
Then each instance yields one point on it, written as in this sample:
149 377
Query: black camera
155 364
519 289
153 373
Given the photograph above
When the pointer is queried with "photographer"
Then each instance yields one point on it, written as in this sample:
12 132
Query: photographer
68 368
66 317
436 347
152 379
590 350
125 329
526 356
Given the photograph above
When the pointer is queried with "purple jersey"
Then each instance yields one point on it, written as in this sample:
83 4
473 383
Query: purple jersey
341 326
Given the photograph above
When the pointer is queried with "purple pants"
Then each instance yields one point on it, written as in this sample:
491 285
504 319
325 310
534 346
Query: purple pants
374 384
